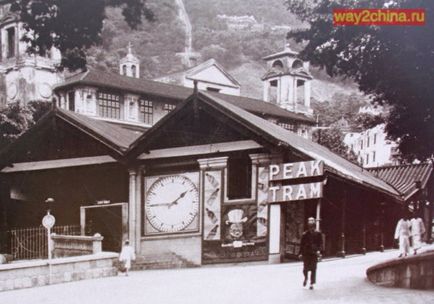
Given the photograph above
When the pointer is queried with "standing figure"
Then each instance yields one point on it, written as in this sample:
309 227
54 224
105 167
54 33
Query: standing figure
310 249
126 256
402 233
417 231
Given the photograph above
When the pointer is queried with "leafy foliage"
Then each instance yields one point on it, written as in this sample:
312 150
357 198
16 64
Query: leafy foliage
333 139
72 26
393 63
16 118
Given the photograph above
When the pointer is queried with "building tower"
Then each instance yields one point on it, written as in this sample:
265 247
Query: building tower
287 81
23 77
129 65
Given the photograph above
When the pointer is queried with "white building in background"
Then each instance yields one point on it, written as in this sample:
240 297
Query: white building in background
371 147
210 76
23 77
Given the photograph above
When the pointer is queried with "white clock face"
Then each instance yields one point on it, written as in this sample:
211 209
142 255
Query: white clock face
172 203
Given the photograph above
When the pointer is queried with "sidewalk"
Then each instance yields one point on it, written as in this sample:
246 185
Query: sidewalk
339 281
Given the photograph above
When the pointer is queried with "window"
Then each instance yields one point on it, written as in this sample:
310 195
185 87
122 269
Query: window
373 156
109 105
71 101
146 111
211 89
287 126
367 143
133 70
11 42
361 145
367 159
168 107
239 183
375 139
124 70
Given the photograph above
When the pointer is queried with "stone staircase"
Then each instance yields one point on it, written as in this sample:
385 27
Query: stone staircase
168 260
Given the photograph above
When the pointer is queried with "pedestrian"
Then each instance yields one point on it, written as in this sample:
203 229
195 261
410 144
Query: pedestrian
126 256
402 234
417 229
310 250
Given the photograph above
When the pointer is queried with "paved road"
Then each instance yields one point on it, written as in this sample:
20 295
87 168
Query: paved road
339 281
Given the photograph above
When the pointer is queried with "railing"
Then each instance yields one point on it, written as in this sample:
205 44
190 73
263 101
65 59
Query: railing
31 243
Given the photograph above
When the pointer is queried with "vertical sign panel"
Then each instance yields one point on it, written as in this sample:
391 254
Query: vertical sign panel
212 205
261 228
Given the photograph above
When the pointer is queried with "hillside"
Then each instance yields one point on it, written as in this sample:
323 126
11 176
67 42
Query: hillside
237 33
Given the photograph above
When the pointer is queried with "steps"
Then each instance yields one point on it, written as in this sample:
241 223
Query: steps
167 260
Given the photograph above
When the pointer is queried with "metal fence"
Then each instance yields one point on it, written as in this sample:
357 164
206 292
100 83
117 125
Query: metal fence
31 243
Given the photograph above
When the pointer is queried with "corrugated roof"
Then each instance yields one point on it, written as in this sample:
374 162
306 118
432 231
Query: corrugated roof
334 162
404 177
143 86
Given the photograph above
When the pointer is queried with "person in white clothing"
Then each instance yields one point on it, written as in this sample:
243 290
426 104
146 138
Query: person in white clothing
417 232
402 233
126 256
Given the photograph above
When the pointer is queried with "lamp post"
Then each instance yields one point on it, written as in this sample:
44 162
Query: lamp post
48 222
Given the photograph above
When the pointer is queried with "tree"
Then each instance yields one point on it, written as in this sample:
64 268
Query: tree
393 63
333 139
17 118
72 26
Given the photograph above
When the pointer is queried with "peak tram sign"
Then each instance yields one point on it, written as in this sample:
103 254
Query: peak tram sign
299 172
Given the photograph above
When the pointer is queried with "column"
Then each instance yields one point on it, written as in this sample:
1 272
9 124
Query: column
318 215
132 207
138 204
266 90
275 218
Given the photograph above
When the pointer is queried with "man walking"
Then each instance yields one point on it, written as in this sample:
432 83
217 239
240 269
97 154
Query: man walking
310 248
402 234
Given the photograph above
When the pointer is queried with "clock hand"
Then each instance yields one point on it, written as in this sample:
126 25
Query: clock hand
175 202
162 204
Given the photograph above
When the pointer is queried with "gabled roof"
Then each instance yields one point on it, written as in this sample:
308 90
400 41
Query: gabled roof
279 137
177 76
405 177
175 92
114 137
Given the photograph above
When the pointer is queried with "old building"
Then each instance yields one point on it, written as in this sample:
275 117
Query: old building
209 183
372 147
24 77
415 182
140 103
209 75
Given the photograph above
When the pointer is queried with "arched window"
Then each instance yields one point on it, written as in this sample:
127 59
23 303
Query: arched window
297 64
133 70
124 70
278 64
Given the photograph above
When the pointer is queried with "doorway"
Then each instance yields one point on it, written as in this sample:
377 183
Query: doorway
109 220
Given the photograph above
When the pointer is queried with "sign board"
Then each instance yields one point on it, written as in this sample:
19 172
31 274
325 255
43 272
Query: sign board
48 221
296 192
289 171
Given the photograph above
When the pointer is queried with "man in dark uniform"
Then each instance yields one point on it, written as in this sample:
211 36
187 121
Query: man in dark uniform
310 249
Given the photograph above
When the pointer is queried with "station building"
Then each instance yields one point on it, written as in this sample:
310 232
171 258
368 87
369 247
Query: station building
209 183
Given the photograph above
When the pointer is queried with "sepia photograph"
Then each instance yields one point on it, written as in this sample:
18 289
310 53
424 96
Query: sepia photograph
224 151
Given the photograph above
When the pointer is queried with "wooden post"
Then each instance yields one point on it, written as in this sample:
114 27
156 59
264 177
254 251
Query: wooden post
343 220
274 255
139 203
382 219
364 228
318 215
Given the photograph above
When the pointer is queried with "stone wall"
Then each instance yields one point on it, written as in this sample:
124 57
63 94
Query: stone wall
74 245
37 273
416 272
188 247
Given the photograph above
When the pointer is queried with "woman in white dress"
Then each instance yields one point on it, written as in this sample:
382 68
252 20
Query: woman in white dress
402 233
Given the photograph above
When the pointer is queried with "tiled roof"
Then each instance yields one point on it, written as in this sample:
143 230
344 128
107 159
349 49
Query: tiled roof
404 177
112 134
155 88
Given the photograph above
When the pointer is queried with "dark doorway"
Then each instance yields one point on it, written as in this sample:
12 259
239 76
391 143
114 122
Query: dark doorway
107 221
